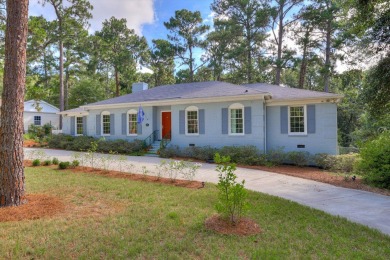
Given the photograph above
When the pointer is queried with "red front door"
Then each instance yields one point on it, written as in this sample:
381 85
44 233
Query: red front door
166 125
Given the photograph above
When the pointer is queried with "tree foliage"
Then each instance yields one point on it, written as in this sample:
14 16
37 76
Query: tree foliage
376 90
121 49
247 22
185 30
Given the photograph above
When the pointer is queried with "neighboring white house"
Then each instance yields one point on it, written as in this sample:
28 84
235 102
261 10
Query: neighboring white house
39 112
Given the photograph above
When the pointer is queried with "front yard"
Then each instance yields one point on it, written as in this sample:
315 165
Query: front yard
103 217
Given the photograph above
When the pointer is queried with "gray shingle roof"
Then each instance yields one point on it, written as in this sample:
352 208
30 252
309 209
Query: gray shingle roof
76 110
183 91
210 89
287 93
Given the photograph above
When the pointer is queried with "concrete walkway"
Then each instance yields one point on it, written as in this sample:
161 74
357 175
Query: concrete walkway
362 207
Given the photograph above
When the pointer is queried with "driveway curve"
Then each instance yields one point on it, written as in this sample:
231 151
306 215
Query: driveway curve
362 207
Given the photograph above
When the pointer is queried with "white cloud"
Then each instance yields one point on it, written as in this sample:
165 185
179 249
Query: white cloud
136 12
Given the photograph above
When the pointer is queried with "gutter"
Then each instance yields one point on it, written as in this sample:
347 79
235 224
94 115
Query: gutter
178 101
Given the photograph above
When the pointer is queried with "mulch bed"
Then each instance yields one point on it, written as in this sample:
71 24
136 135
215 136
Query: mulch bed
139 177
35 206
316 174
31 143
245 227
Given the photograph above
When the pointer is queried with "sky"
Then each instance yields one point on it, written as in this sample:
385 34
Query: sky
146 17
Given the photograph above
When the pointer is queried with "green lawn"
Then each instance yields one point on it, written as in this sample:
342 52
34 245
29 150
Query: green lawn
117 218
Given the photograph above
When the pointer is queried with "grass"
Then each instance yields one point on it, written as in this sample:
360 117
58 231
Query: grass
117 218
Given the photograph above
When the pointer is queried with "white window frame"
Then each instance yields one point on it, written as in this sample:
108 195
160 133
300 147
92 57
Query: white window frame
236 106
131 112
82 125
191 109
104 113
40 120
304 120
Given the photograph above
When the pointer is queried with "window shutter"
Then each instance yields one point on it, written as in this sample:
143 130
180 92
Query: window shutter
85 130
98 125
311 119
112 124
248 120
124 123
72 125
201 122
182 119
284 120
225 121
139 129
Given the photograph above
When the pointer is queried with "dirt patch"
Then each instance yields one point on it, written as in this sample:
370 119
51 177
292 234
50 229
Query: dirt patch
36 206
245 227
139 177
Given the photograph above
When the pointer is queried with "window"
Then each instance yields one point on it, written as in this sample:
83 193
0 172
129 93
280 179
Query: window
132 122
106 124
297 120
79 125
236 119
37 120
192 121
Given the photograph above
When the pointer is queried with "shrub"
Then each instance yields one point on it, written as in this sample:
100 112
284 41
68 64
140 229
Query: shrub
200 153
47 129
80 143
75 163
47 162
55 161
83 143
248 154
36 131
60 141
276 157
189 170
63 165
169 152
120 146
174 168
344 163
232 195
322 160
375 161
298 158
36 162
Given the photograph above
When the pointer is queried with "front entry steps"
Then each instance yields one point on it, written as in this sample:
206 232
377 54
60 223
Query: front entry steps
152 152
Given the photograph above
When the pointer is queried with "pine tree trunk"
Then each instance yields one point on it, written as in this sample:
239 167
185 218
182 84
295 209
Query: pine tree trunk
249 53
11 129
62 103
117 93
191 65
302 72
327 56
45 69
66 89
280 45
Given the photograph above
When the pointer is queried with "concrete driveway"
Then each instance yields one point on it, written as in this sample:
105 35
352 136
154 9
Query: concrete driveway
362 207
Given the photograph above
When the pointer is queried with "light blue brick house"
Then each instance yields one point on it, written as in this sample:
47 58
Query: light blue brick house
215 114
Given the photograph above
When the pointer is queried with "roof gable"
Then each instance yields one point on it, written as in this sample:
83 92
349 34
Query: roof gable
31 106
